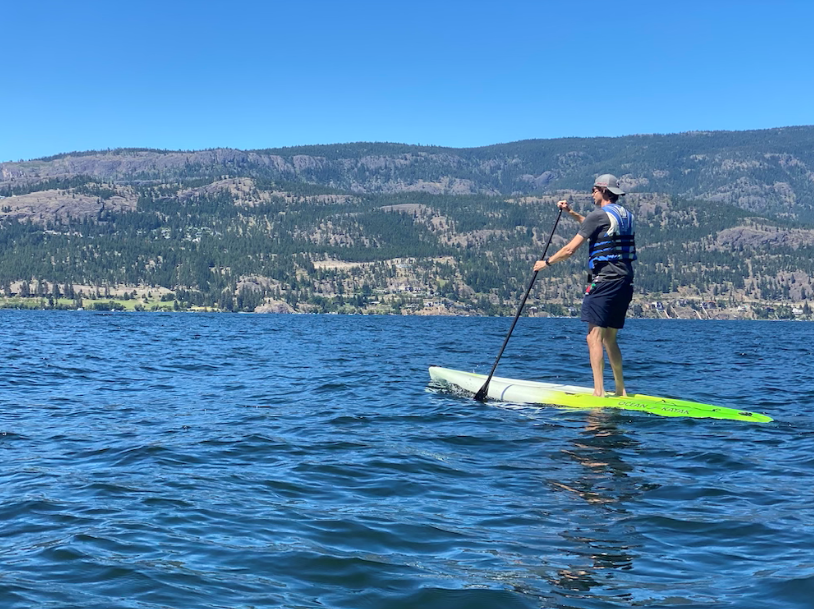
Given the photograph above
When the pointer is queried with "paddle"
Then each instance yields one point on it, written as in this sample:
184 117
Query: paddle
481 394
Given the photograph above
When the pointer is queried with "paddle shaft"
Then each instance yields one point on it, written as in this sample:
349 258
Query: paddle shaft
481 394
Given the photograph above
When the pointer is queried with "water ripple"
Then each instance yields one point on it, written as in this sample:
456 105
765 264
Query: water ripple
174 460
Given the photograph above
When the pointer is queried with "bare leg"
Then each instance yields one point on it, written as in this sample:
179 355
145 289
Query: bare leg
615 359
595 336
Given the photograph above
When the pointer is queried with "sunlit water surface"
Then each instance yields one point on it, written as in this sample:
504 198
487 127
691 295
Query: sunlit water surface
197 461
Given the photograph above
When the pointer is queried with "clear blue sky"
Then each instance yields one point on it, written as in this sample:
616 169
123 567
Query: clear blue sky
81 75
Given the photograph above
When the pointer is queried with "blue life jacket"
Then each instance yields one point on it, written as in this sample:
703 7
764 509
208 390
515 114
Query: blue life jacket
618 242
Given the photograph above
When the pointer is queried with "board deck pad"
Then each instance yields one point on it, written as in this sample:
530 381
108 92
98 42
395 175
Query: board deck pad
532 392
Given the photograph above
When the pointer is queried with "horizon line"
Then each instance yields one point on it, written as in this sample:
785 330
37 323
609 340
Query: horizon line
389 143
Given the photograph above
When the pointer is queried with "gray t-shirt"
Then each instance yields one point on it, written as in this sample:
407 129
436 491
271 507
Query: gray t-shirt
595 224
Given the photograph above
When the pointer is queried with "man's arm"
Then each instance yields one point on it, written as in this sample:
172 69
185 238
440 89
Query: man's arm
566 252
563 205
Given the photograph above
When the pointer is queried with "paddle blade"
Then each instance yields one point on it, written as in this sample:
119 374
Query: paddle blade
481 394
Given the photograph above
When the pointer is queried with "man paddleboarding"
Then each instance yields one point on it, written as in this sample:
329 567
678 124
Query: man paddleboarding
610 231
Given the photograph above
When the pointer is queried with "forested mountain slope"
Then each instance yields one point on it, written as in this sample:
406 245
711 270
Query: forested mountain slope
725 222
767 171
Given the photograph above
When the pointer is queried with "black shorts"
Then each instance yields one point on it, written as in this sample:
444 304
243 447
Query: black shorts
606 302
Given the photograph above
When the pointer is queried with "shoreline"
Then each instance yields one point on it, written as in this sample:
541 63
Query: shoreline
201 310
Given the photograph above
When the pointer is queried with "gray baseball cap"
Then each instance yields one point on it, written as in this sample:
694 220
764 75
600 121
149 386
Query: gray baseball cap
611 182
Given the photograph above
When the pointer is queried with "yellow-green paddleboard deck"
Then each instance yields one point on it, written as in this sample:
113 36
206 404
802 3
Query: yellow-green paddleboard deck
531 392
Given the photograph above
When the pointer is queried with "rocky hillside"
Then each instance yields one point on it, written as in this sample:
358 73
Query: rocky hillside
725 225
768 172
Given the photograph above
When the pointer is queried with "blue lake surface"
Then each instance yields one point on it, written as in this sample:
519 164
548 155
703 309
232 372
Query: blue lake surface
196 461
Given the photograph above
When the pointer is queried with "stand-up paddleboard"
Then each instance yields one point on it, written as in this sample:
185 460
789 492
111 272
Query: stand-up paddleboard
531 392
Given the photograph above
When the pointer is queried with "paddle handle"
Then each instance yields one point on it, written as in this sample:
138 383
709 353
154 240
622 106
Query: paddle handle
481 394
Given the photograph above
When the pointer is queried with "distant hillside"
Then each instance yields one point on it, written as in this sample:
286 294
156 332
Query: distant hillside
769 171
725 226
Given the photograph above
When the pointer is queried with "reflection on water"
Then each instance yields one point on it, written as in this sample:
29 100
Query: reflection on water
597 543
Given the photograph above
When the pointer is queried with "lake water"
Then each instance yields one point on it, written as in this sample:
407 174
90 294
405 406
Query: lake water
196 461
